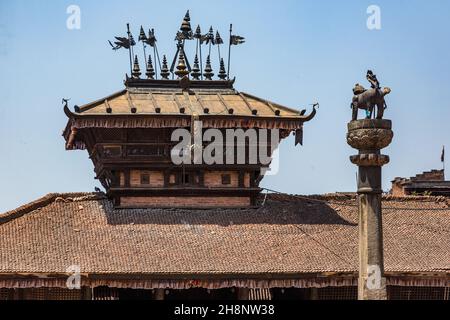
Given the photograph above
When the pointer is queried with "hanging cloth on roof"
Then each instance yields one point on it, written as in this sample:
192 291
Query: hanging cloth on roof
299 136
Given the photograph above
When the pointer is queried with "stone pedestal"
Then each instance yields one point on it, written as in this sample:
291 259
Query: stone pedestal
369 137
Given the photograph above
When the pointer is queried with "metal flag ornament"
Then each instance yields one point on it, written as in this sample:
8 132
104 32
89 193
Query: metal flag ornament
234 41
218 42
151 41
127 43
184 33
209 39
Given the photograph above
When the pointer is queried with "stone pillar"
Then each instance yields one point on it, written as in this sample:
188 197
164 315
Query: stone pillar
369 136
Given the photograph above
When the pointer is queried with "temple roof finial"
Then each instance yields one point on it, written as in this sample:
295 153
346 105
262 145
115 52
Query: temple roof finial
222 72
181 67
136 69
186 26
150 70
165 70
196 69
198 32
208 69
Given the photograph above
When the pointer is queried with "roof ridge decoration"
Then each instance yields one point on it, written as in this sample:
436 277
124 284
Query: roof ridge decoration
183 68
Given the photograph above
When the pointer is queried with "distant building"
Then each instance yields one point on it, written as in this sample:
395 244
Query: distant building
427 183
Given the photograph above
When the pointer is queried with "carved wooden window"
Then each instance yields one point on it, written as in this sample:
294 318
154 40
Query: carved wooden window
112 151
145 178
226 179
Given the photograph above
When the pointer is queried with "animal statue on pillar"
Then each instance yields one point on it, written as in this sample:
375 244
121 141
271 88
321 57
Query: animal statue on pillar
367 99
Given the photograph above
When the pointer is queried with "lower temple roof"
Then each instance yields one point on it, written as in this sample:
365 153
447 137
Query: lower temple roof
285 236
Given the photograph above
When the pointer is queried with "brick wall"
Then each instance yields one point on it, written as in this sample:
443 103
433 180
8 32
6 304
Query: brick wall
397 190
433 175
214 179
184 202
156 178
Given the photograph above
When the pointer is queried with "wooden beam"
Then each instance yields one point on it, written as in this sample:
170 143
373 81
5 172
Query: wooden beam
246 102
186 97
130 103
108 107
223 102
155 104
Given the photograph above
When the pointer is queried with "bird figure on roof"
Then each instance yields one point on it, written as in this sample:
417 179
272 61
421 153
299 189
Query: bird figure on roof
122 42
97 189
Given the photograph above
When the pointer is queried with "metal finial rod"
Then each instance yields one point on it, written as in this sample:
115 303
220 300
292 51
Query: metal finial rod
143 38
229 52
218 41
129 48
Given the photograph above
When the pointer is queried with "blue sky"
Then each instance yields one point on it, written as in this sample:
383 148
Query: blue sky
297 52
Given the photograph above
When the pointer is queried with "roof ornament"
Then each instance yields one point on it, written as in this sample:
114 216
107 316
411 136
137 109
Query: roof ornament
127 43
208 69
209 39
151 41
136 69
234 41
218 41
222 72
181 67
185 28
184 34
196 69
165 70
198 49
150 72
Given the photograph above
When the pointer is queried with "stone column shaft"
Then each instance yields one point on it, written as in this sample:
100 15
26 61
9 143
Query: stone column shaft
369 136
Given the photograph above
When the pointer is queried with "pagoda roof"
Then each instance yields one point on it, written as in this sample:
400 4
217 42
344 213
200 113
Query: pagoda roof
200 98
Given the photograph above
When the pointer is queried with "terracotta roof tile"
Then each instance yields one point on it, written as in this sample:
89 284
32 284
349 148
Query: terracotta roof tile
288 234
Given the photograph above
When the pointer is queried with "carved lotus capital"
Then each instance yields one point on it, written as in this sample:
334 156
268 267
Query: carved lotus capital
369 134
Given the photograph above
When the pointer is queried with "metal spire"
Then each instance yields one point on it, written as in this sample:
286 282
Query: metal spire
196 70
136 69
185 28
165 70
181 67
150 71
208 70
199 37
222 73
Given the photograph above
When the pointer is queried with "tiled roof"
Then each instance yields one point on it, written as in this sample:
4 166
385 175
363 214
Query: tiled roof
212 102
287 235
